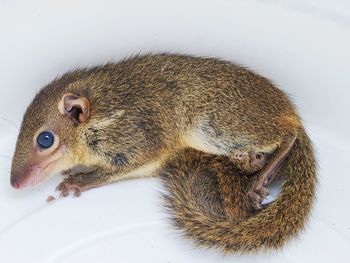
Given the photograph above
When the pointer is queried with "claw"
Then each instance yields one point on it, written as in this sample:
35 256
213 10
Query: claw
263 192
77 192
257 197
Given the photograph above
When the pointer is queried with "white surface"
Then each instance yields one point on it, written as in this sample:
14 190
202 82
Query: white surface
302 45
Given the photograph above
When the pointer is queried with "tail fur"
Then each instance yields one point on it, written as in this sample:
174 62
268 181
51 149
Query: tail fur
196 207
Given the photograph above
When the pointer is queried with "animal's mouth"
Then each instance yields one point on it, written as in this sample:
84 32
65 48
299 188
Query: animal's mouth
34 174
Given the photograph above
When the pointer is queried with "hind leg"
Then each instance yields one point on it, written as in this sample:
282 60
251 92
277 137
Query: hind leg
264 168
250 156
266 175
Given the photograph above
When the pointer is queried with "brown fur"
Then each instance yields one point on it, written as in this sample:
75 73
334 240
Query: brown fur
136 114
196 201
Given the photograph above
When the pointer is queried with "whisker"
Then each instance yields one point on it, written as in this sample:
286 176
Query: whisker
5 157
6 174
12 123
12 133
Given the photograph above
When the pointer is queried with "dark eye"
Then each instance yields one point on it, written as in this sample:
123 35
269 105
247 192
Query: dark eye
45 140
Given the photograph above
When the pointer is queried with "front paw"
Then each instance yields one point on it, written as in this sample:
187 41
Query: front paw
74 184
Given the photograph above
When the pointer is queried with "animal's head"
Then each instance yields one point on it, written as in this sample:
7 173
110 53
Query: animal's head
50 138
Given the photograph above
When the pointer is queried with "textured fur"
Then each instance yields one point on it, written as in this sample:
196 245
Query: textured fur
145 110
197 203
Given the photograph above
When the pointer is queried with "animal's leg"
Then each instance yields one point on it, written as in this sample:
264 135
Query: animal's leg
264 177
246 157
80 182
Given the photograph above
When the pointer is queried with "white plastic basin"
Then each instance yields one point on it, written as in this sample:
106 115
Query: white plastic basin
304 46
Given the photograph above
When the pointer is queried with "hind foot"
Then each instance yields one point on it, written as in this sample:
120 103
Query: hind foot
257 196
249 162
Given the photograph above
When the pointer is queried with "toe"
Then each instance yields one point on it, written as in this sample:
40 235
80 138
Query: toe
255 198
263 192
77 192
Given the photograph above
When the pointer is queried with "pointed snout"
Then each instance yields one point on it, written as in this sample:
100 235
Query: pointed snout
34 168
14 182
32 174
17 180
20 178
26 177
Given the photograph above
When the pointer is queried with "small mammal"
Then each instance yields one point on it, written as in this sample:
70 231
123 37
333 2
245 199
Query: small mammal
128 119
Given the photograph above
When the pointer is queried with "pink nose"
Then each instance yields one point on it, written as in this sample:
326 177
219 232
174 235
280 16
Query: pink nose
14 182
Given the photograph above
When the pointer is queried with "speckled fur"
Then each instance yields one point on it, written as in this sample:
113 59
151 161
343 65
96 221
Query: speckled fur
146 109
196 201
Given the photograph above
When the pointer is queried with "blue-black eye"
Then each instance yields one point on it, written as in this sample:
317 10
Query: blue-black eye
45 140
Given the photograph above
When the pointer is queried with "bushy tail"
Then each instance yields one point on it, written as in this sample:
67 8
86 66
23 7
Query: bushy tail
196 207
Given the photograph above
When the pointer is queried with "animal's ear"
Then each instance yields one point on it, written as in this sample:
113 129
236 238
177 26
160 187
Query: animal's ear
76 107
